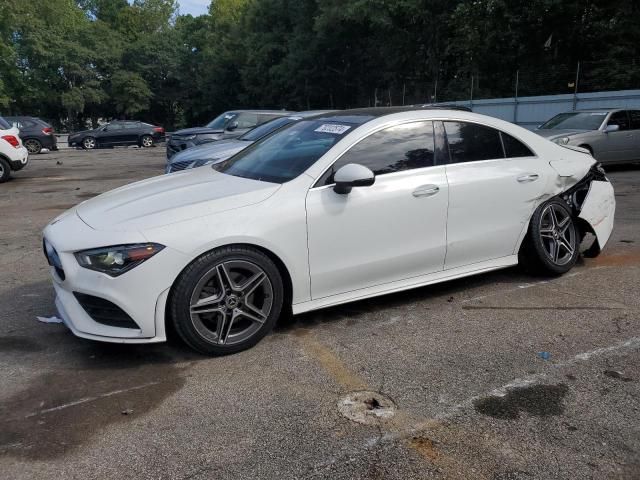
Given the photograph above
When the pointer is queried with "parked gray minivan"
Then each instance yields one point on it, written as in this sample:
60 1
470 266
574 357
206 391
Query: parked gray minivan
611 135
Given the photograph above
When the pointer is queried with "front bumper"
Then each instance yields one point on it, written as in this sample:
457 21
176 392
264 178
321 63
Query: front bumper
141 292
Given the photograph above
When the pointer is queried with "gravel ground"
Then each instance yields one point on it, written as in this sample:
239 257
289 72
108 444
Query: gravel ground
460 364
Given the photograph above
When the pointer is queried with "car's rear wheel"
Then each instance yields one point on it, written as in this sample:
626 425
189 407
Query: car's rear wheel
33 146
227 300
551 246
89 143
5 170
146 141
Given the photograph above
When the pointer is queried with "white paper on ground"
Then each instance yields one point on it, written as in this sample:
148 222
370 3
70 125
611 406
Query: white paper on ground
53 319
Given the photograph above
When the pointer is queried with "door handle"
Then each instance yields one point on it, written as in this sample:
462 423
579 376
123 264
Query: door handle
529 177
426 191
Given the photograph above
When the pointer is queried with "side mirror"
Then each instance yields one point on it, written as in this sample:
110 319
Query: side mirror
611 128
352 175
232 126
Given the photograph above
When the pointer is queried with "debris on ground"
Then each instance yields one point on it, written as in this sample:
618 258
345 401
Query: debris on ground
53 319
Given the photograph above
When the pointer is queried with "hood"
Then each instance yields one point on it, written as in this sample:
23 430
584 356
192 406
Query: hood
197 131
172 198
216 150
552 133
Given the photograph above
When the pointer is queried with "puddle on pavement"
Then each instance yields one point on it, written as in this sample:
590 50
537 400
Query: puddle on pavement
536 400
366 407
104 385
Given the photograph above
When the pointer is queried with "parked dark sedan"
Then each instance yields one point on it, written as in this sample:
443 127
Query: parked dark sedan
117 133
227 125
35 133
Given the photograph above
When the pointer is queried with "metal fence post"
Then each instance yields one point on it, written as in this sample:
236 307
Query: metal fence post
515 99
575 87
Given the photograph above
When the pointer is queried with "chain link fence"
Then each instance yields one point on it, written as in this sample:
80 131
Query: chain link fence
554 79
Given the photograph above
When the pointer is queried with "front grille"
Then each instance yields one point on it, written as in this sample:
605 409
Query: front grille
104 312
177 166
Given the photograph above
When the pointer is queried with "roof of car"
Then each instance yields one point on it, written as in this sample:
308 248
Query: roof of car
363 115
268 112
600 109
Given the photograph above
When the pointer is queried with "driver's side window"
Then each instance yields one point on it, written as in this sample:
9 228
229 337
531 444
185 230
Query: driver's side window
394 149
620 119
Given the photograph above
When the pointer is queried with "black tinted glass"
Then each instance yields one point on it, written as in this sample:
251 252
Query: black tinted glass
287 153
394 149
620 119
469 142
635 119
265 129
4 125
514 148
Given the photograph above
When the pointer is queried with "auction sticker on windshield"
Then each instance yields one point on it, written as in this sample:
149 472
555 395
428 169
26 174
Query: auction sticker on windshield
332 128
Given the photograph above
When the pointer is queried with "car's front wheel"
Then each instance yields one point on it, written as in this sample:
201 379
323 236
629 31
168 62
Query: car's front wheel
551 245
227 300
89 143
33 146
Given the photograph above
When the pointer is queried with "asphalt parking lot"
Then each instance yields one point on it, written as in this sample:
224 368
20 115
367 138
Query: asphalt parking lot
500 376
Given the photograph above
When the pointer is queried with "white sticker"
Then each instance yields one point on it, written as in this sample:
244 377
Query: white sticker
332 128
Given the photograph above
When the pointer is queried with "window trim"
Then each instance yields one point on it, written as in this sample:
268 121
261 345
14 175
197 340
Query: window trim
315 185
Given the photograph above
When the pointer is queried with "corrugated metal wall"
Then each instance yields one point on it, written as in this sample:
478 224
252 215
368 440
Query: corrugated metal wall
529 112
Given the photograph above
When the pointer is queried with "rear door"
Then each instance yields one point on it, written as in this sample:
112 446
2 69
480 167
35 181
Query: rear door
131 133
491 195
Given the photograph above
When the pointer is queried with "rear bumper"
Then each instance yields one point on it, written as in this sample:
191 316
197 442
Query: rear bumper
598 210
20 159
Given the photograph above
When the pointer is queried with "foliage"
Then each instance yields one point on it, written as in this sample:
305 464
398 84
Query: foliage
75 61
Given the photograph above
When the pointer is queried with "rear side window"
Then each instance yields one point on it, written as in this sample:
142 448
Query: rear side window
634 116
514 148
132 125
469 142
394 149
4 125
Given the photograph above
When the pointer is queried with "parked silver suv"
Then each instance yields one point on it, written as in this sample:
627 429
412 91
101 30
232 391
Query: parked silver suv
611 135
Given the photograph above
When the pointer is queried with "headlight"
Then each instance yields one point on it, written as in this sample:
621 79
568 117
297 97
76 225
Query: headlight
561 140
118 259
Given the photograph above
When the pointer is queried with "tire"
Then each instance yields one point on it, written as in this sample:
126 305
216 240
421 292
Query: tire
33 146
146 141
5 170
551 244
89 143
218 321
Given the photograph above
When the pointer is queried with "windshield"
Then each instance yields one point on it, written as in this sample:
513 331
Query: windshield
287 153
265 129
221 121
575 121
4 125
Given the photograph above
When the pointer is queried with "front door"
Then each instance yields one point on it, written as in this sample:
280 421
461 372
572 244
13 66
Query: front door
392 230
617 146
491 194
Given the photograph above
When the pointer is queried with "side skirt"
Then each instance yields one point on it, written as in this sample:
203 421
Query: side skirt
406 284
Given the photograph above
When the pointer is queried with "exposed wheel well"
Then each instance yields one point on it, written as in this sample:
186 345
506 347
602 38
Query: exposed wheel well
588 147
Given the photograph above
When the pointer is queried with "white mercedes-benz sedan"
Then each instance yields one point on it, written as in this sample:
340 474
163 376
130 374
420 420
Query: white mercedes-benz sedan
331 209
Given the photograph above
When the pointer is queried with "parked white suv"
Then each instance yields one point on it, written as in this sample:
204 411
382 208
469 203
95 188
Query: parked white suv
13 155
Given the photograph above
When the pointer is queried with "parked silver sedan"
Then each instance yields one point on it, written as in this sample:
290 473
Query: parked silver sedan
610 135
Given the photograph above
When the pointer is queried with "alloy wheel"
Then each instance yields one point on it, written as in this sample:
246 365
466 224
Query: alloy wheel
557 234
33 146
89 143
231 302
147 141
